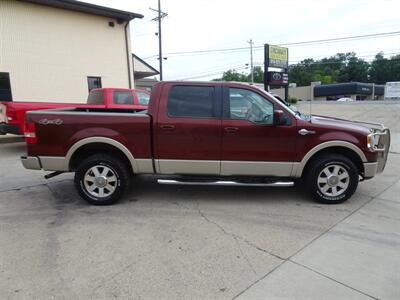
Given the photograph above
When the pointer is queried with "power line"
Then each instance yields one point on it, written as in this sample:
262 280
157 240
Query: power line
205 74
292 44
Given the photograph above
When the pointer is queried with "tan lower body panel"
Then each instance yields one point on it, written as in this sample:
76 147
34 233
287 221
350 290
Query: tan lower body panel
225 168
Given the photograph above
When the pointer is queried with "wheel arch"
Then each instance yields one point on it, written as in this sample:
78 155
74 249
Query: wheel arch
347 149
92 145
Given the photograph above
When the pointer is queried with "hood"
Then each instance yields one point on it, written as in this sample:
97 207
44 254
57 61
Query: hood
340 124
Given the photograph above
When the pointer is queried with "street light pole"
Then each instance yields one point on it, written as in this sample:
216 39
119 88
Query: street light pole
251 60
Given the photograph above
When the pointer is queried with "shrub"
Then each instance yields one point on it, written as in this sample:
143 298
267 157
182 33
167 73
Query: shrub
292 100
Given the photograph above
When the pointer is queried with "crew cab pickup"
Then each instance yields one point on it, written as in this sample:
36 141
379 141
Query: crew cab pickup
206 133
12 114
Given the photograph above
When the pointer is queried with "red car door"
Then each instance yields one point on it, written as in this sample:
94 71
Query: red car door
188 130
251 143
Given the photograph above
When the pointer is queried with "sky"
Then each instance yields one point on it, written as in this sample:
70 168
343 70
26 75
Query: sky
221 24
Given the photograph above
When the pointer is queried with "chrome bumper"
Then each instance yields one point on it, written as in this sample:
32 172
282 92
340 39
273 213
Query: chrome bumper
382 148
47 163
31 162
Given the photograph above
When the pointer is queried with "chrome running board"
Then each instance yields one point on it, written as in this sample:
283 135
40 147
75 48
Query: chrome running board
225 183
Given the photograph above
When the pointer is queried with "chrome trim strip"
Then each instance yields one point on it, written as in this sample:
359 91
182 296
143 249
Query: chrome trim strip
321 146
225 183
370 169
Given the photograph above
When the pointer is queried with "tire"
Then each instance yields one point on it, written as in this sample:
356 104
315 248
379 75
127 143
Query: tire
332 178
101 179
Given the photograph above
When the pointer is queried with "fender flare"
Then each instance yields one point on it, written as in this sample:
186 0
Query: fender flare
103 140
300 166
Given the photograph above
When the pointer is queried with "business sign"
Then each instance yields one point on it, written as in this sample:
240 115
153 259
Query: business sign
392 90
278 57
278 78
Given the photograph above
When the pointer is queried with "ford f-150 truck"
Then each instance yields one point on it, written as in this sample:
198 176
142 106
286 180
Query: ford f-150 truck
205 133
12 114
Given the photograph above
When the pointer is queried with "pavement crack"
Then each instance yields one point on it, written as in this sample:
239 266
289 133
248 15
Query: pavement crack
236 238
328 277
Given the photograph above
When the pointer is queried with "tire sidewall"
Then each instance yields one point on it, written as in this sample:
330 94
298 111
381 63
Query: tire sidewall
119 174
353 181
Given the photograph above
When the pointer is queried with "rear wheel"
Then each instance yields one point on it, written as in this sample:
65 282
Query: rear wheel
332 179
101 179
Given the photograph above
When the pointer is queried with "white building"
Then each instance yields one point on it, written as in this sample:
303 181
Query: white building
56 50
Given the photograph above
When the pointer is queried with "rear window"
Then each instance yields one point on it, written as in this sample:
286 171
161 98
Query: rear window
96 97
123 97
143 98
191 101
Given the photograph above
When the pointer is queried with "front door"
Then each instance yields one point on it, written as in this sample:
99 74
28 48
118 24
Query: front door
188 131
251 143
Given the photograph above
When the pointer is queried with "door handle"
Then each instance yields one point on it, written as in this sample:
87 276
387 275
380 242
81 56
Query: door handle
231 129
305 131
167 127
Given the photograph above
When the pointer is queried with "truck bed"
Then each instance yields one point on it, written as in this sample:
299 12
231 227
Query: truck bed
128 127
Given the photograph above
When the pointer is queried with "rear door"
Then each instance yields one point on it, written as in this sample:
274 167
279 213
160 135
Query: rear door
188 130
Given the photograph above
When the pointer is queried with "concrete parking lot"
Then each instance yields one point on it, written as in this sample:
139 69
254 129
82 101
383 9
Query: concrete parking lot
178 242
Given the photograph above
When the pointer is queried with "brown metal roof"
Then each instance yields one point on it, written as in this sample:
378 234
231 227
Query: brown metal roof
89 8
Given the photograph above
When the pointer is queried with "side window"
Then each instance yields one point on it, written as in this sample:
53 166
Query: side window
94 82
143 98
191 101
5 87
96 97
123 97
248 105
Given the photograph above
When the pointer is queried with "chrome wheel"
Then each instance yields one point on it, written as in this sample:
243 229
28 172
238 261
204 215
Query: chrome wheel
333 180
100 181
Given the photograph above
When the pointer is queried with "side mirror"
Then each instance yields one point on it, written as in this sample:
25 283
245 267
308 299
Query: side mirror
279 117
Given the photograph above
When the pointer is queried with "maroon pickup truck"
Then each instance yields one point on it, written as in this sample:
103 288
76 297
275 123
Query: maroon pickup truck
206 133
12 114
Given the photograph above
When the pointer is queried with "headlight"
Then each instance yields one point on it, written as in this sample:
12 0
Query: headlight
372 140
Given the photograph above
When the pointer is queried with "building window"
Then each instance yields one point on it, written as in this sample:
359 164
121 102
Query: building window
191 101
5 87
94 82
123 97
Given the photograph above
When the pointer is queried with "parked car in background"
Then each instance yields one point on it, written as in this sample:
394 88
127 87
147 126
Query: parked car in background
12 114
206 133
344 99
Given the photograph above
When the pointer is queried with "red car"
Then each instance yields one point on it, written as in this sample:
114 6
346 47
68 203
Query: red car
206 133
12 114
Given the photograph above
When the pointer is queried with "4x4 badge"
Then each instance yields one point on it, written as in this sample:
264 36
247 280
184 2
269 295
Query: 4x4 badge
50 122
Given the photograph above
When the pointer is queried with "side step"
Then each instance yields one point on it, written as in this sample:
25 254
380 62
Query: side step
225 183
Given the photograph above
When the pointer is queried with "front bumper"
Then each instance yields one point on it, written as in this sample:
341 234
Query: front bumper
9 128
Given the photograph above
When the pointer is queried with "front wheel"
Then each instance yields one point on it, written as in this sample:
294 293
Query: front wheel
332 179
101 179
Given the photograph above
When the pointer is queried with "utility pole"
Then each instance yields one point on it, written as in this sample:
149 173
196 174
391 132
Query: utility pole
251 60
159 19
